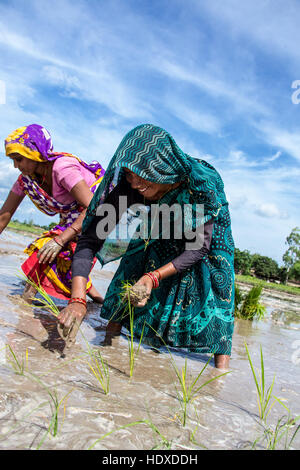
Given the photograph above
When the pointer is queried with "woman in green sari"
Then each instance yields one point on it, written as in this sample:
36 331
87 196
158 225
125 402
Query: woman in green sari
190 289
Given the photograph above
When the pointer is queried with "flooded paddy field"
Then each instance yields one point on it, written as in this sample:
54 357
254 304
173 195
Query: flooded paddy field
51 399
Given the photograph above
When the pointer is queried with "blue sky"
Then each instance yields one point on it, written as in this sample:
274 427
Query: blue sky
217 75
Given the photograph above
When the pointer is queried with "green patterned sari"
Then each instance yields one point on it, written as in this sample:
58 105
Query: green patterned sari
192 309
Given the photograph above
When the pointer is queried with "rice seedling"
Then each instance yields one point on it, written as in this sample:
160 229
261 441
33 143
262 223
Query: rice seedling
127 297
46 300
238 297
248 306
20 366
98 366
189 388
265 399
164 442
55 405
100 370
282 435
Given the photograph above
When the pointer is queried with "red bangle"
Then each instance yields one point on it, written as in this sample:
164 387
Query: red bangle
77 300
154 278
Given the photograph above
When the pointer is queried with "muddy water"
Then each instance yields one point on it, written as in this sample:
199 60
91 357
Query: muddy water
223 416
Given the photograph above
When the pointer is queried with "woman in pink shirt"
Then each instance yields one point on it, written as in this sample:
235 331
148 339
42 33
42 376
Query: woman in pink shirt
57 183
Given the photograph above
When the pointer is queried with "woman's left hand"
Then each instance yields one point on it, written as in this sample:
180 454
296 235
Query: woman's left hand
147 283
48 252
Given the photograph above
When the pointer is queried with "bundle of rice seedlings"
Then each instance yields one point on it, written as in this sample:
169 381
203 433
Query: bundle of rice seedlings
134 293
248 306
131 295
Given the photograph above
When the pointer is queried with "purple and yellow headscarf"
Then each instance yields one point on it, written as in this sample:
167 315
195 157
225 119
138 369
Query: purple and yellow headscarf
33 142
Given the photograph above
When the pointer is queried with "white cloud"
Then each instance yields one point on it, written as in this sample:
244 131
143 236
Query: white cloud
270 211
70 83
216 87
196 119
238 158
288 141
271 25
8 174
274 157
99 83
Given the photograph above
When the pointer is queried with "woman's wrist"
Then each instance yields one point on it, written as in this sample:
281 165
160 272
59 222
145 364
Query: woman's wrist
77 300
154 279
59 241
165 271
75 230
68 235
79 284
159 274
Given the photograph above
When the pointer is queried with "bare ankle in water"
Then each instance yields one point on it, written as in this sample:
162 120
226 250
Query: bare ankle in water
222 361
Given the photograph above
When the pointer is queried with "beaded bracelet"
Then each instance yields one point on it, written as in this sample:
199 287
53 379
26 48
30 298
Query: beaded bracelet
154 279
77 300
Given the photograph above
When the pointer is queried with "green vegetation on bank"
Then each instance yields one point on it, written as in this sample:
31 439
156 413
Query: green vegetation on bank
29 227
23 227
264 267
243 279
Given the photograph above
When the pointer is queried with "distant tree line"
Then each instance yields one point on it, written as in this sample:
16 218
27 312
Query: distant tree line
260 266
31 223
266 268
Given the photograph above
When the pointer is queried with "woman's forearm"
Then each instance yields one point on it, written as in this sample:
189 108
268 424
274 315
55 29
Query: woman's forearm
79 287
8 209
4 220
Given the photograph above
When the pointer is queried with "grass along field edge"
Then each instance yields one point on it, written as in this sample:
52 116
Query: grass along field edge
253 281
22 227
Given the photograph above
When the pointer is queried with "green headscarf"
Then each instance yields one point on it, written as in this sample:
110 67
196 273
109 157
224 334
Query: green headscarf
152 153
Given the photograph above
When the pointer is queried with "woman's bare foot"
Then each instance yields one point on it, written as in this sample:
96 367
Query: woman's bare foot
95 296
29 293
222 361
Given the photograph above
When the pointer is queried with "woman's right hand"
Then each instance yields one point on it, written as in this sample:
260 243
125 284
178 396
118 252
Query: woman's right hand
70 319
48 252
